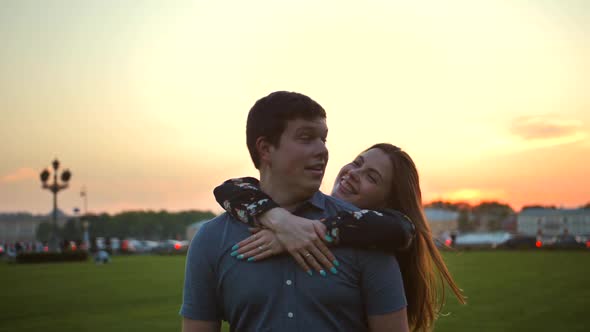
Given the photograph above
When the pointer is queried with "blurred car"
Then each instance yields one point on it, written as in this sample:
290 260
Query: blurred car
481 240
566 242
149 245
171 247
521 242
115 244
131 246
112 244
445 240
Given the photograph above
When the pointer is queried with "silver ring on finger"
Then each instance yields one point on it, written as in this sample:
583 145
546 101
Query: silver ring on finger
261 248
307 255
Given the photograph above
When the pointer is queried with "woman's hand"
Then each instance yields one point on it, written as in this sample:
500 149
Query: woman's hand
302 238
263 244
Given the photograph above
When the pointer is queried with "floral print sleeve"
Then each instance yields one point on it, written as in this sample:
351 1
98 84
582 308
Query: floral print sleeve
385 230
243 199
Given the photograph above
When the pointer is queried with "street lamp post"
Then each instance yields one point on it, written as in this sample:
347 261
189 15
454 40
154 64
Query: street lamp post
85 222
55 187
84 195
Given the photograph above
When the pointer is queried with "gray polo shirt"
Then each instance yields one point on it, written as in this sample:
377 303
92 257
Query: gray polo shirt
276 294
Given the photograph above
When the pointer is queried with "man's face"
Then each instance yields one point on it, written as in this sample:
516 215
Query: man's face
300 159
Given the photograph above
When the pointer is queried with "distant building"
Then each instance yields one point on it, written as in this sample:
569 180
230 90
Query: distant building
553 222
510 224
442 221
193 228
23 226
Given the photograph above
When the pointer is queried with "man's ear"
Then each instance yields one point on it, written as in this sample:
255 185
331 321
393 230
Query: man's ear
264 149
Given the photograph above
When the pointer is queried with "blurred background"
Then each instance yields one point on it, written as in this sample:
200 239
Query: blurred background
144 105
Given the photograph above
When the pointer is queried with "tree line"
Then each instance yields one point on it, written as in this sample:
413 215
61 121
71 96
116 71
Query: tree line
141 225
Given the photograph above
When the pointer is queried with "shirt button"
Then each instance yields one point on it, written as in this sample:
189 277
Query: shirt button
290 315
289 282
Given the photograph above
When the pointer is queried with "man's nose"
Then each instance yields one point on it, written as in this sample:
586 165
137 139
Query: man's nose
322 150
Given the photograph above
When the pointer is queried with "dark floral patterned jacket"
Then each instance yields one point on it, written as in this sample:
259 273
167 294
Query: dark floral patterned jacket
385 230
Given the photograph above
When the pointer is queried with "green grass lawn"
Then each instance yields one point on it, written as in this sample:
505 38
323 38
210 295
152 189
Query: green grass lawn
507 291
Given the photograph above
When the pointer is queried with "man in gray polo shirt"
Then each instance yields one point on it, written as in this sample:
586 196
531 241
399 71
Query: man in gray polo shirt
286 135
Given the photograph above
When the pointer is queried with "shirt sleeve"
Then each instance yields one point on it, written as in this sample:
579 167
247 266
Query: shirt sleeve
382 283
199 300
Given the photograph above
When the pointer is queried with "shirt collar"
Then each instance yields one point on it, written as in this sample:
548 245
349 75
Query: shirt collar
318 201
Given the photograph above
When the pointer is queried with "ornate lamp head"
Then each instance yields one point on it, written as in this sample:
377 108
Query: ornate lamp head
66 175
44 175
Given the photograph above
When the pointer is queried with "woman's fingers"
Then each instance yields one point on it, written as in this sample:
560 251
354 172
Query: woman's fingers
320 229
260 256
254 230
256 254
257 245
246 242
320 262
325 256
299 259
310 260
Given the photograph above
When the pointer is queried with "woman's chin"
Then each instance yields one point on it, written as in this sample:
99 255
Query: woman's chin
344 197
336 194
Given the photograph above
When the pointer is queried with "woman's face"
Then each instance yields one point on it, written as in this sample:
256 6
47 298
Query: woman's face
365 182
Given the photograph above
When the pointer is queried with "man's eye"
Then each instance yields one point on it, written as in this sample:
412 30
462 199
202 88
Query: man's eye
356 163
372 179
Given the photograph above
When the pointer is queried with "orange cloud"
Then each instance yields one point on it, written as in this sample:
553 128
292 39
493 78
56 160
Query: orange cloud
20 174
471 195
547 127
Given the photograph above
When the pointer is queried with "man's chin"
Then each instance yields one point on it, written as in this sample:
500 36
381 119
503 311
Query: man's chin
312 186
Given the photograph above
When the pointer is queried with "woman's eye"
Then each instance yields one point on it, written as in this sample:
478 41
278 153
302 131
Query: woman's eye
372 179
356 163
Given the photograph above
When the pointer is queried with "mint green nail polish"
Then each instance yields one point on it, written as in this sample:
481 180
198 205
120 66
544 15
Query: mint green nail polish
336 262
328 238
310 273
234 253
240 256
250 259
236 247
323 273
333 270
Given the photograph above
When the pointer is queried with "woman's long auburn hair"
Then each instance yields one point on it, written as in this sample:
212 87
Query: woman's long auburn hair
423 269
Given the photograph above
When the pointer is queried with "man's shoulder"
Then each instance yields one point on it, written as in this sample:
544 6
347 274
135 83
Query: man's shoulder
213 226
209 233
338 204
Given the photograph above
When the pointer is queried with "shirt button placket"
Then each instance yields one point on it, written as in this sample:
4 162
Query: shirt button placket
291 298
291 292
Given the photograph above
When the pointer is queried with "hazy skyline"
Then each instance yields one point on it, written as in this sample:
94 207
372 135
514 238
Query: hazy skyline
146 102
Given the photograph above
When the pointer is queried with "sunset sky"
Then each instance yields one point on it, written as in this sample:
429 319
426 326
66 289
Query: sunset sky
146 101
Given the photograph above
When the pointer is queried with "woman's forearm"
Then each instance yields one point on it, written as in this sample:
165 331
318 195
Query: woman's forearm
388 230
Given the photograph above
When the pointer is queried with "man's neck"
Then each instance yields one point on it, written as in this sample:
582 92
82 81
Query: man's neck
281 193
